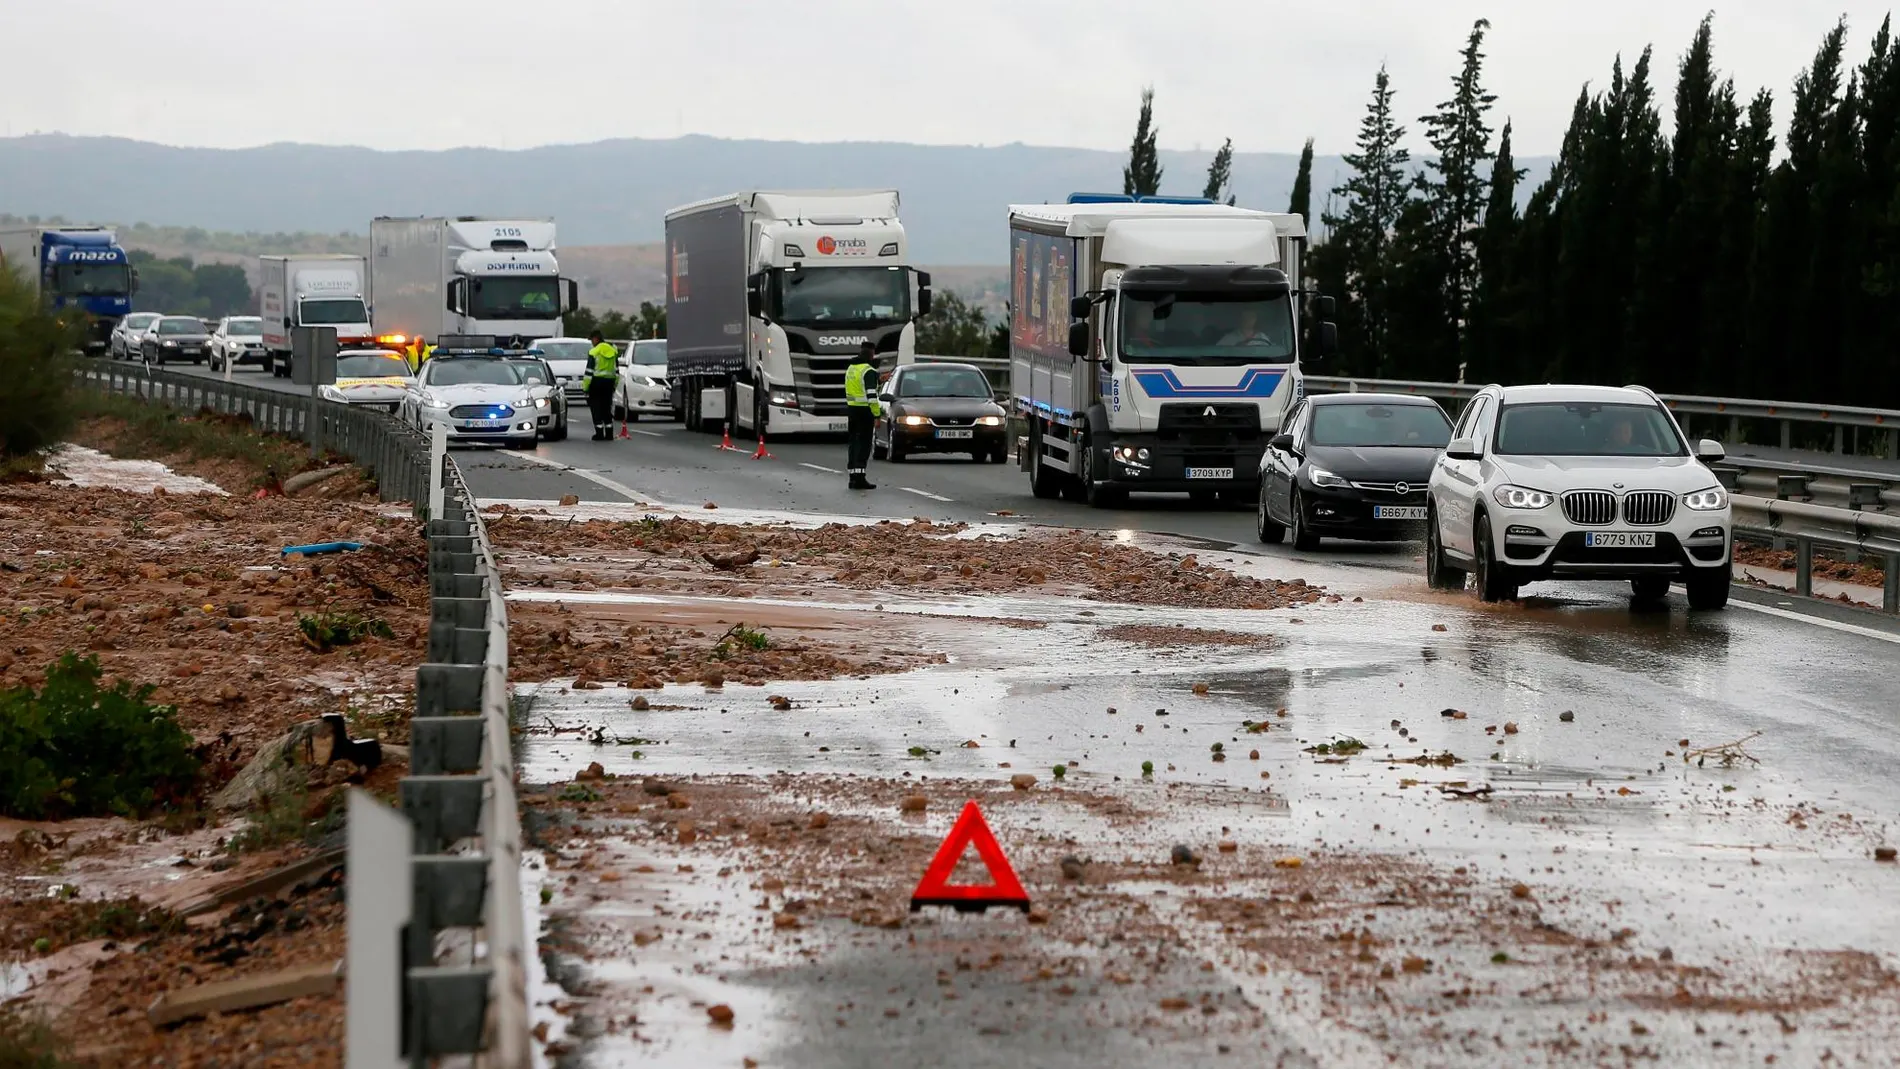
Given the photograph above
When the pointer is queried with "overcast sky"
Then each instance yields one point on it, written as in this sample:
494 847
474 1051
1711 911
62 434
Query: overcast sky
427 74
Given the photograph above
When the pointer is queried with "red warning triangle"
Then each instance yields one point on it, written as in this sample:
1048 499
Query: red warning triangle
936 888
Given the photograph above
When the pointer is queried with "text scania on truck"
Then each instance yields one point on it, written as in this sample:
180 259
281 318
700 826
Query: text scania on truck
1154 345
467 276
769 297
74 269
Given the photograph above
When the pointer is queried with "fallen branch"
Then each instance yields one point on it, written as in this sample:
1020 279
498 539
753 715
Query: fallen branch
1483 791
1728 753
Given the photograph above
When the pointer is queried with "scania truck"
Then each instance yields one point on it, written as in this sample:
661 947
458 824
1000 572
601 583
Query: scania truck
769 297
317 290
78 268
1155 345
464 276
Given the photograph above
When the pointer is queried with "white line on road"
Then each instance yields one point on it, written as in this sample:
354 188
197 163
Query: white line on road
1852 629
649 434
594 477
924 493
819 467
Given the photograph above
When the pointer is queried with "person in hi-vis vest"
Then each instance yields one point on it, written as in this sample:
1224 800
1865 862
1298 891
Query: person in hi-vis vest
860 395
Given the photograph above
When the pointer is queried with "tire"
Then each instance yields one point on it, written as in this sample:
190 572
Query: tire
1439 573
1303 537
1709 587
879 451
1043 483
558 433
761 414
1271 533
692 412
1494 580
1649 588
1096 494
893 449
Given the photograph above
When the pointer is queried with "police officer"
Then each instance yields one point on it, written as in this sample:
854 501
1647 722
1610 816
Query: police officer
860 394
603 373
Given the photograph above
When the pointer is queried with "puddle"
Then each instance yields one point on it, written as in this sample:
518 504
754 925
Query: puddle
80 466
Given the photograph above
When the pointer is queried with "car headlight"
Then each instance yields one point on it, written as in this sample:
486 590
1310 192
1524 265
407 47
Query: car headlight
1706 500
989 421
1325 479
1521 497
169 344
915 421
330 393
542 402
433 402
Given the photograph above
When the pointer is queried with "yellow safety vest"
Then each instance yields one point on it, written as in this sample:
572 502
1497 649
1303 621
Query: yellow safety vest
855 394
605 364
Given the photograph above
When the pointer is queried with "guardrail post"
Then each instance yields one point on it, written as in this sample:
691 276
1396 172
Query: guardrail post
438 449
1890 599
1804 567
377 896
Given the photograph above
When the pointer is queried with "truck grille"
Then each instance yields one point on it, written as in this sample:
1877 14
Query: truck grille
1590 508
481 412
1648 508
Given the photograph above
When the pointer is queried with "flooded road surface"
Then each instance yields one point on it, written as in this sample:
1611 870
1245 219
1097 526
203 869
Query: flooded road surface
1417 831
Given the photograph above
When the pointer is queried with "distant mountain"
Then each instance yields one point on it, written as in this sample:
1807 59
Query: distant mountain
605 193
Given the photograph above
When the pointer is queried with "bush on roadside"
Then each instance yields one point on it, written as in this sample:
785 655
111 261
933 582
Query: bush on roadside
27 1042
75 748
36 370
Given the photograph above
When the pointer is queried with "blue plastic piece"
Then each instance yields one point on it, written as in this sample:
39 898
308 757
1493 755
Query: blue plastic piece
323 547
1173 200
1100 198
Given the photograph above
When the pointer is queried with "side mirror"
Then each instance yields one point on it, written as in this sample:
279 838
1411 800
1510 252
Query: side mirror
1325 307
1462 449
755 295
1080 307
135 282
1327 343
452 299
1709 451
1079 339
887 397
1282 442
573 294
923 300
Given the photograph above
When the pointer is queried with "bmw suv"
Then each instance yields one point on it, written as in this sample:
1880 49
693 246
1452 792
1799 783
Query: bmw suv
1577 482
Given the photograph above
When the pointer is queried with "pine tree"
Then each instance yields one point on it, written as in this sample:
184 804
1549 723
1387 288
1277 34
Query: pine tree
1142 176
1370 202
1301 203
1491 338
1456 195
1220 174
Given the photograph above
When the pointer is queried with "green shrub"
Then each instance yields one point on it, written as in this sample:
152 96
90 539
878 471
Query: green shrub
75 748
36 370
27 1042
327 630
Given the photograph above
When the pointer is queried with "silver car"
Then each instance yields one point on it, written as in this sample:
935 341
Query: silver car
175 338
125 338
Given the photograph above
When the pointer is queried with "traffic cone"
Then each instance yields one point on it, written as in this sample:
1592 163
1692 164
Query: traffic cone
623 426
725 441
760 453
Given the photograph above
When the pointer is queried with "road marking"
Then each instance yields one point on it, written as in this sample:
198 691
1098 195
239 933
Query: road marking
594 477
924 493
1852 629
649 434
819 467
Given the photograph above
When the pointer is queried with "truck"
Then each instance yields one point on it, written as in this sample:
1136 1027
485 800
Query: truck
465 276
318 290
1155 344
770 294
74 268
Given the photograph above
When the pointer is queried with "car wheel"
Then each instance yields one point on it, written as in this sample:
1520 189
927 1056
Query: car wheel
1303 536
1271 533
558 433
1494 578
1649 588
894 448
1709 587
1439 574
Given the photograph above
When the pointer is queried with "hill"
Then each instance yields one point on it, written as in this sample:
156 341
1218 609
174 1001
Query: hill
604 193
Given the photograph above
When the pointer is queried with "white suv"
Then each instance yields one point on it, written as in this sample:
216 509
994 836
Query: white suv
1584 482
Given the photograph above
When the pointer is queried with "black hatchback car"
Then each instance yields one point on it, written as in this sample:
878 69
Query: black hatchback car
940 408
1351 465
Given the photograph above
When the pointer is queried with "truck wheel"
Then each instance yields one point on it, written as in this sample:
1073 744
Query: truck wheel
1043 483
692 411
1097 494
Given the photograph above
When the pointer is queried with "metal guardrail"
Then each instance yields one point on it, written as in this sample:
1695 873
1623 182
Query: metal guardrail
1807 526
438 948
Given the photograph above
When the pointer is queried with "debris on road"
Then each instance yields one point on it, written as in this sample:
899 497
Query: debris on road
1728 753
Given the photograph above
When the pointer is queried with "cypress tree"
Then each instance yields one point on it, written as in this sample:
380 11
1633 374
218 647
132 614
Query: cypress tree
1220 174
1142 176
1452 183
1301 202
1492 334
1369 204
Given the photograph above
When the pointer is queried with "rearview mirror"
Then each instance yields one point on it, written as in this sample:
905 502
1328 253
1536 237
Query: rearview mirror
1710 450
1325 307
1080 307
755 295
887 397
1462 449
923 300
1282 442
1079 339
573 294
1328 341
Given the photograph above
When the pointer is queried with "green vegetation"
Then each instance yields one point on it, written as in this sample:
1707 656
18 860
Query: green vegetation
76 748
27 1042
1345 747
741 637
956 327
648 322
197 239
280 821
1147 768
1142 176
579 792
178 286
1060 771
325 631
37 406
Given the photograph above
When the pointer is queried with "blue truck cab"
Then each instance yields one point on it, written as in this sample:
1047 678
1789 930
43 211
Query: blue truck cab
80 269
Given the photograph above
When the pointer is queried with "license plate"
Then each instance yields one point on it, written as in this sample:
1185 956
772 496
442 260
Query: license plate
835 426
955 434
1398 512
1210 473
483 424
1620 539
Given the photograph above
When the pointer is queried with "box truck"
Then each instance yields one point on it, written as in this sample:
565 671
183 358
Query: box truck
319 290
769 296
467 276
78 268
1154 345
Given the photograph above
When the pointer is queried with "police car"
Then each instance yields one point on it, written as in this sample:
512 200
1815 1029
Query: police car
372 378
478 394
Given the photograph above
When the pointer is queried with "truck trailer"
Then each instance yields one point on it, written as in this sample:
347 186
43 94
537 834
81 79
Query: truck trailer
433 276
317 290
769 297
1155 345
74 268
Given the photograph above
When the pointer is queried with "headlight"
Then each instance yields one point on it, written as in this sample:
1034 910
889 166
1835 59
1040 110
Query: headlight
434 402
1519 497
1326 479
989 421
542 402
330 393
1128 454
785 400
915 421
1706 500
169 344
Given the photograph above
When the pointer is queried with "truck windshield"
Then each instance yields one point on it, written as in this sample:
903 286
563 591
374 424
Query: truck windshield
843 296
93 279
515 298
1206 328
333 312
